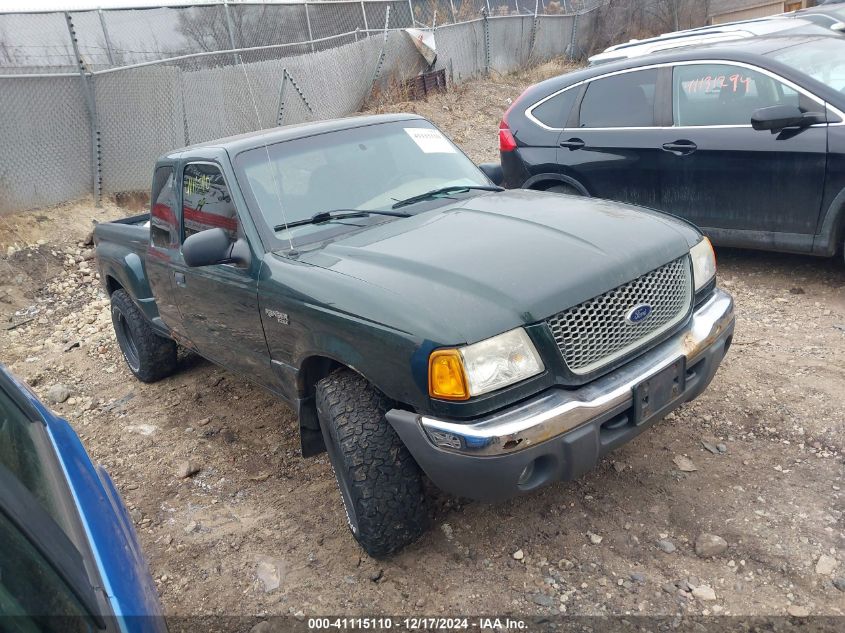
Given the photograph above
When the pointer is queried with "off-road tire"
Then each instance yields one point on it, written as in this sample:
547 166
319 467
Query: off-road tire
150 357
567 189
380 483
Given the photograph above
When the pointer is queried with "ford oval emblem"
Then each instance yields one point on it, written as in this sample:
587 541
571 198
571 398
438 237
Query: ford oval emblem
639 313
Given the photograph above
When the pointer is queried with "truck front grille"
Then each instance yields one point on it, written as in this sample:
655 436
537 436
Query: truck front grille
597 332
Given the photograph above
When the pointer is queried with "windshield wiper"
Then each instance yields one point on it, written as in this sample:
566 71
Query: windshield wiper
437 192
339 214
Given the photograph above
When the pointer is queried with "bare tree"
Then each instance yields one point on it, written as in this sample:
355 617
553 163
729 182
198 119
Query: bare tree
207 27
6 56
621 20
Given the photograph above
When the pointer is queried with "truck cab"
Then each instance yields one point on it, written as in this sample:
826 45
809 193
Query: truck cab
420 320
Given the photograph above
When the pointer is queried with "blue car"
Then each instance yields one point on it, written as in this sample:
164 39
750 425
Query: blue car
69 557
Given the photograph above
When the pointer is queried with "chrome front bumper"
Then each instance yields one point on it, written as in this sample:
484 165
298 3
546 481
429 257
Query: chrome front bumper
559 411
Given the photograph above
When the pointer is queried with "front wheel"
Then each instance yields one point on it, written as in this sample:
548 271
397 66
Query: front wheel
150 357
380 483
566 189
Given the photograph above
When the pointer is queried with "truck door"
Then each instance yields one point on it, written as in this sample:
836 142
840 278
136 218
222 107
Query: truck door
219 303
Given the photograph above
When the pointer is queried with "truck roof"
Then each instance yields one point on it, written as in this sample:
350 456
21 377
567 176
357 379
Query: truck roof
251 140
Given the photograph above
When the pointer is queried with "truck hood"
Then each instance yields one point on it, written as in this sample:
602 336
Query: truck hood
489 263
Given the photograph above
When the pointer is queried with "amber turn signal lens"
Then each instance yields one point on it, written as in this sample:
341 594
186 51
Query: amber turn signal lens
446 378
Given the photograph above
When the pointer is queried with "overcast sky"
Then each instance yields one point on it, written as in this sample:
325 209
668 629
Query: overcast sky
70 5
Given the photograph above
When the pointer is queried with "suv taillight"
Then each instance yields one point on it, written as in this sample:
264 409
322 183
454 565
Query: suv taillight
507 143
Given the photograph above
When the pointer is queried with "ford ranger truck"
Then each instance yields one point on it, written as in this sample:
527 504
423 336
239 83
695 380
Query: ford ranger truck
420 320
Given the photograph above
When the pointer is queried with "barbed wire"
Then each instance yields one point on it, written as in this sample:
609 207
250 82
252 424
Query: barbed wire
32 42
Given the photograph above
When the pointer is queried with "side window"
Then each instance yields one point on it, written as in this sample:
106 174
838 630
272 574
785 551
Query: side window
21 455
206 203
163 226
721 94
624 100
554 112
32 592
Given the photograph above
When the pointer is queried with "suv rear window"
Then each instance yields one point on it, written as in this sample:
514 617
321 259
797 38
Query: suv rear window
554 112
624 100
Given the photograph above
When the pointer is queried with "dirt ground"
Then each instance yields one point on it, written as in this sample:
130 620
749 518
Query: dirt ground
259 530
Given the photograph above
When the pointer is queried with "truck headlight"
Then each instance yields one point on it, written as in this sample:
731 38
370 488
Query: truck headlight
459 373
703 263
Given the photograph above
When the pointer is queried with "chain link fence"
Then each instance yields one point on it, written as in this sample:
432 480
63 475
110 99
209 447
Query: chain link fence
91 114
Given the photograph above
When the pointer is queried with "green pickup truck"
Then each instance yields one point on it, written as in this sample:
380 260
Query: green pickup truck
419 319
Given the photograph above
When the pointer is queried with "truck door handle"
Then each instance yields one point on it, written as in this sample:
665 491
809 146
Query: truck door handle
680 148
572 144
180 279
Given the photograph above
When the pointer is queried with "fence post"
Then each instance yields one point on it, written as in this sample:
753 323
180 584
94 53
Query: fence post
106 37
452 9
486 22
280 110
90 101
308 24
383 47
230 29
184 109
364 13
534 26
411 9
288 78
572 36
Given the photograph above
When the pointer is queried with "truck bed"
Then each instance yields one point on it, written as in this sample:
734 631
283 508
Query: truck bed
132 232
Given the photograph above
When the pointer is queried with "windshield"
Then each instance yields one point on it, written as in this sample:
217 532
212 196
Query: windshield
366 168
822 59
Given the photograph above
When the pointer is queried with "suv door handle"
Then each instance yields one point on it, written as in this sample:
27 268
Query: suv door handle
680 148
573 144
180 279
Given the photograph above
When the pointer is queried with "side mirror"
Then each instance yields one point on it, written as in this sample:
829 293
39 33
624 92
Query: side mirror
213 246
494 172
776 118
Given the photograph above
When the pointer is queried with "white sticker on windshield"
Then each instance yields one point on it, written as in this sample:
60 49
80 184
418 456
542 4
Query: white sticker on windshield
431 141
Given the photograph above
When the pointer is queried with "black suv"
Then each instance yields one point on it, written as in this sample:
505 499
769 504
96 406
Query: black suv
745 139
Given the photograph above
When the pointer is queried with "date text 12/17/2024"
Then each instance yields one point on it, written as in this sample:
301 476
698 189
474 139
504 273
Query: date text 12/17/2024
416 623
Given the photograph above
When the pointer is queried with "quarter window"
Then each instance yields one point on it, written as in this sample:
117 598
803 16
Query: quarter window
554 112
624 100
206 203
721 94
162 211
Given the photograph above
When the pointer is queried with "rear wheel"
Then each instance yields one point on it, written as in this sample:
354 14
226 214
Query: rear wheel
150 357
380 483
567 189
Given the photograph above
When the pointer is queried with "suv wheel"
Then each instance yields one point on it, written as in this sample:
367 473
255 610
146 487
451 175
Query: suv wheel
380 483
149 356
567 189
